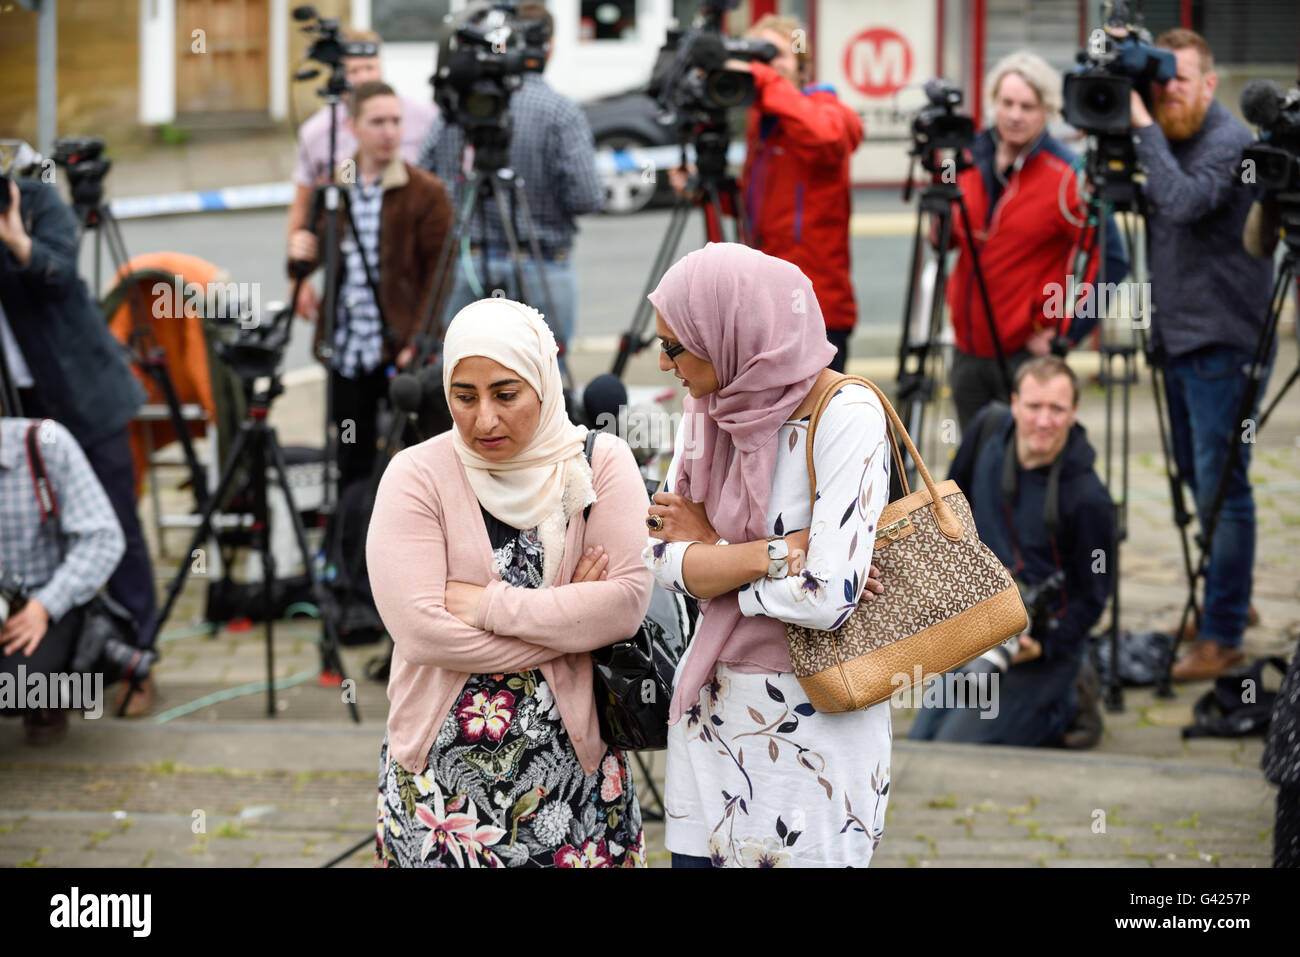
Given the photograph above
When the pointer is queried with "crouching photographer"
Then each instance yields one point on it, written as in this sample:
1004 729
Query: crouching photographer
65 364
1038 504
59 541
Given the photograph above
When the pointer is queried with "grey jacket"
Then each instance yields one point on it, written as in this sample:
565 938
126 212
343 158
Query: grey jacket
1206 289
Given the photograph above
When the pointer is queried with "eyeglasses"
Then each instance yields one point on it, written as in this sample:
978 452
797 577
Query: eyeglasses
673 351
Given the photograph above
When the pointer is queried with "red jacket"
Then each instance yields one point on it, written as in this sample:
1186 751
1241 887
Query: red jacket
1027 241
796 185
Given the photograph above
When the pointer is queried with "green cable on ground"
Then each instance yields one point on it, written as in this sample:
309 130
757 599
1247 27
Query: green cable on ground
192 631
218 696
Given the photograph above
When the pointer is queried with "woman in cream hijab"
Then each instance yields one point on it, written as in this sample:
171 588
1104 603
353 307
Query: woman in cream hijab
495 589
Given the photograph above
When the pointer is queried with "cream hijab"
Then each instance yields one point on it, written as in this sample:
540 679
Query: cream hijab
549 479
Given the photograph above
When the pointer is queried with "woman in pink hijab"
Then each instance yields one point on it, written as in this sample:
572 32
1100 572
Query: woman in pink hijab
755 776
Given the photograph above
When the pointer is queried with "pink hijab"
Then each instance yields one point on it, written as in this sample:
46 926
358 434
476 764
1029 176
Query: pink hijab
757 320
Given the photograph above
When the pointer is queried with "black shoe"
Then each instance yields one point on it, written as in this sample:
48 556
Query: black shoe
45 726
1085 730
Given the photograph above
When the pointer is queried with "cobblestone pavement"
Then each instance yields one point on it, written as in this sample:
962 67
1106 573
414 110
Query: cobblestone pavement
210 780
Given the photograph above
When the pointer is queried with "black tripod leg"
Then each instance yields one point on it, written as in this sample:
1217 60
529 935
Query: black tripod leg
262 526
984 295
153 360
658 814
201 534
1234 451
634 340
330 657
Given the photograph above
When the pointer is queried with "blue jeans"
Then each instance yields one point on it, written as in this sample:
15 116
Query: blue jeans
1205 390
1035 700
501 275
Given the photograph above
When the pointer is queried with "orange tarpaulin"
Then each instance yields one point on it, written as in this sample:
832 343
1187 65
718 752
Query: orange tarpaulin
167 288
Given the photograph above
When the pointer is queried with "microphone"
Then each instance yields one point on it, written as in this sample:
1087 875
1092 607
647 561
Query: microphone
603 397
405 392
1261 102
304 12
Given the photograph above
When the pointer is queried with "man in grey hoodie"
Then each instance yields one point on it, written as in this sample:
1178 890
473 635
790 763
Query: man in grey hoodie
1210 300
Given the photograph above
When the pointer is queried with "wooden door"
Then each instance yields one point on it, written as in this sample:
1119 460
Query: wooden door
222 56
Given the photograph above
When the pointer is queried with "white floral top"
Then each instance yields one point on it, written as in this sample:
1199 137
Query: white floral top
756 777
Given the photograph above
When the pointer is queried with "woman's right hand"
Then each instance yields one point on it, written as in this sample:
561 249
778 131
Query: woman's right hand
592 566
797 543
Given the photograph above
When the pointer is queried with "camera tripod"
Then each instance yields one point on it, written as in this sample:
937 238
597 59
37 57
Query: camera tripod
1256 375
916 357
142 346
331 201
714 185
254 449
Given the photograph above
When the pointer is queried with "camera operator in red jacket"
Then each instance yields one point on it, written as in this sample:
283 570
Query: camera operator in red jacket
795 184
1030 221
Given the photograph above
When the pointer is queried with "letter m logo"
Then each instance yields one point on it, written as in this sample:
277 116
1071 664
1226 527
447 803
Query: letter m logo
878 62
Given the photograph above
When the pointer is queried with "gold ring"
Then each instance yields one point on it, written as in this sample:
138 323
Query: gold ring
655 523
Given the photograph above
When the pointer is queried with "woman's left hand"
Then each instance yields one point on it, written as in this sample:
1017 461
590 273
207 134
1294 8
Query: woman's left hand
683 520
462 601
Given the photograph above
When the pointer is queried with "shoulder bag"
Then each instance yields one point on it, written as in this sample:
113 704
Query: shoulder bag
947 598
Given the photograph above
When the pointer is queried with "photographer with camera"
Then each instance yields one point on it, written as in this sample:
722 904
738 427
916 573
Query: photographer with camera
799 143
1211 300
68 367
1039 505
552 150
312 167
402 218
57 547
1030 222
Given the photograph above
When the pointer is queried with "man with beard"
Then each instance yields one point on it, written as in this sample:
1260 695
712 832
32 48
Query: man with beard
1210 300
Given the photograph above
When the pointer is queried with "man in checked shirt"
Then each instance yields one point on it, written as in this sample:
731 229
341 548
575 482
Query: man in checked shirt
64 560
402 218
553 151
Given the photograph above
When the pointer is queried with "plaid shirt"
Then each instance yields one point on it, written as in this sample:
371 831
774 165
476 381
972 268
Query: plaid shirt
359 336
63 561
551 149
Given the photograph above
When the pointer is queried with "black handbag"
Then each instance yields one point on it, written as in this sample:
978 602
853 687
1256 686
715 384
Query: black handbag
634 678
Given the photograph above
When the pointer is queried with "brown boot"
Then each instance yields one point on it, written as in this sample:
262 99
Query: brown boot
1189 630
142 700
1206 660
45 726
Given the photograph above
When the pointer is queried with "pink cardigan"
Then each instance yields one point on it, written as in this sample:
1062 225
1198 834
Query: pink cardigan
427 528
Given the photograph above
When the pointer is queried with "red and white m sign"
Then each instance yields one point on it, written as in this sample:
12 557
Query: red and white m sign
878 62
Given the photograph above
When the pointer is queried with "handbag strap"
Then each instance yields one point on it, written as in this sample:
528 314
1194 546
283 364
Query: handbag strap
948 521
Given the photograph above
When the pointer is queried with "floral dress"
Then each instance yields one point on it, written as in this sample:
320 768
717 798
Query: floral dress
755 776
503 786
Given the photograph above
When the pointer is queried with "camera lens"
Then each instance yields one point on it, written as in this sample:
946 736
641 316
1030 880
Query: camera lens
729 88
1100 100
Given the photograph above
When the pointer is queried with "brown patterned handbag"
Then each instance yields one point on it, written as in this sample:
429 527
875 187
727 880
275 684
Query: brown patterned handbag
947 598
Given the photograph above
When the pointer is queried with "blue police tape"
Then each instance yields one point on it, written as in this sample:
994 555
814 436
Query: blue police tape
264 195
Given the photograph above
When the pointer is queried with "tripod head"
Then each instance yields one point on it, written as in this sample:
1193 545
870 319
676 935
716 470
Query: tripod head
82 160
256 352
328 48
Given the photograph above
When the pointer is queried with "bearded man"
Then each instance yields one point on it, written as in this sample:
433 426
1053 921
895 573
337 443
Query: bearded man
1210 301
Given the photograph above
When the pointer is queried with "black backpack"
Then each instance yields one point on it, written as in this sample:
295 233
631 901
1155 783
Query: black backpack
1222 711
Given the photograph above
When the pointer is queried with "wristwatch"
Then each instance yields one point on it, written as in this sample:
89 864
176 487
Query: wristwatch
777 552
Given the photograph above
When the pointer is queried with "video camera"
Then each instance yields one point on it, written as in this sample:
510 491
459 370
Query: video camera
690 81
937 125
1275 155
1038 601
483 63
328 47
83 161
1118 59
